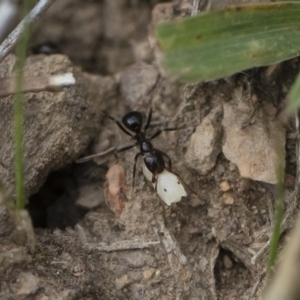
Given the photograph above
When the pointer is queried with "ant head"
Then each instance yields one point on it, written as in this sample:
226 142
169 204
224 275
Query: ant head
133 121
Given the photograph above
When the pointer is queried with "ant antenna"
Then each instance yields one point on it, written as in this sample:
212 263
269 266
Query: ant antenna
148 120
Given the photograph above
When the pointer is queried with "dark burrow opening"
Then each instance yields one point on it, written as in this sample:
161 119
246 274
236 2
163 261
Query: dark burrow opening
54 205
231 275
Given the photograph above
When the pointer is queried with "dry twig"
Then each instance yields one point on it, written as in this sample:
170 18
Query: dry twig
32 17
171 246
122 245
35 84
91 157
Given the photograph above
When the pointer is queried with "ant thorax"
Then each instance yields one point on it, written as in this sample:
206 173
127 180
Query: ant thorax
146 147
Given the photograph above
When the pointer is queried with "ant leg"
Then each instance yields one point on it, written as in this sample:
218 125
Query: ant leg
154 180
120 126
90 157
154 85
162 130
116 157
134 167
167 156
148 120
125 148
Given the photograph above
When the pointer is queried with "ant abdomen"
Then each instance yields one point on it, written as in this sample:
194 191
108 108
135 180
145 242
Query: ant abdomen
155 163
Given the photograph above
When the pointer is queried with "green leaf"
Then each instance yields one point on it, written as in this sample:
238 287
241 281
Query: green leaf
294 97
217 44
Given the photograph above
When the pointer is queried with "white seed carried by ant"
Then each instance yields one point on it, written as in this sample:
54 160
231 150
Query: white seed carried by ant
167 185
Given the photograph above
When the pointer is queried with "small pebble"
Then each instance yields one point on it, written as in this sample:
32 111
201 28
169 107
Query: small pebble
138 291
227 262
224 186
147 274
289 180
28 285
214 231
203 264
186 275
122 281
135 276
77 268
226 211
228 198
243 185
194 230
212 213
195 202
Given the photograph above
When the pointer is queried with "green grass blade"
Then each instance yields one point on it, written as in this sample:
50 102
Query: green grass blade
217 44
21 50
294 97
279 213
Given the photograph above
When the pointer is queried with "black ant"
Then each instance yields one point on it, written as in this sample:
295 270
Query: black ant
153 158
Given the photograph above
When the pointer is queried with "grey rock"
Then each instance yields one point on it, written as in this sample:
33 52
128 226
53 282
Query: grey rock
90 196
6 221
205 145
57 126
257 148
123 281
136 82
227 262
28 284
138 291
13 256
137 259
